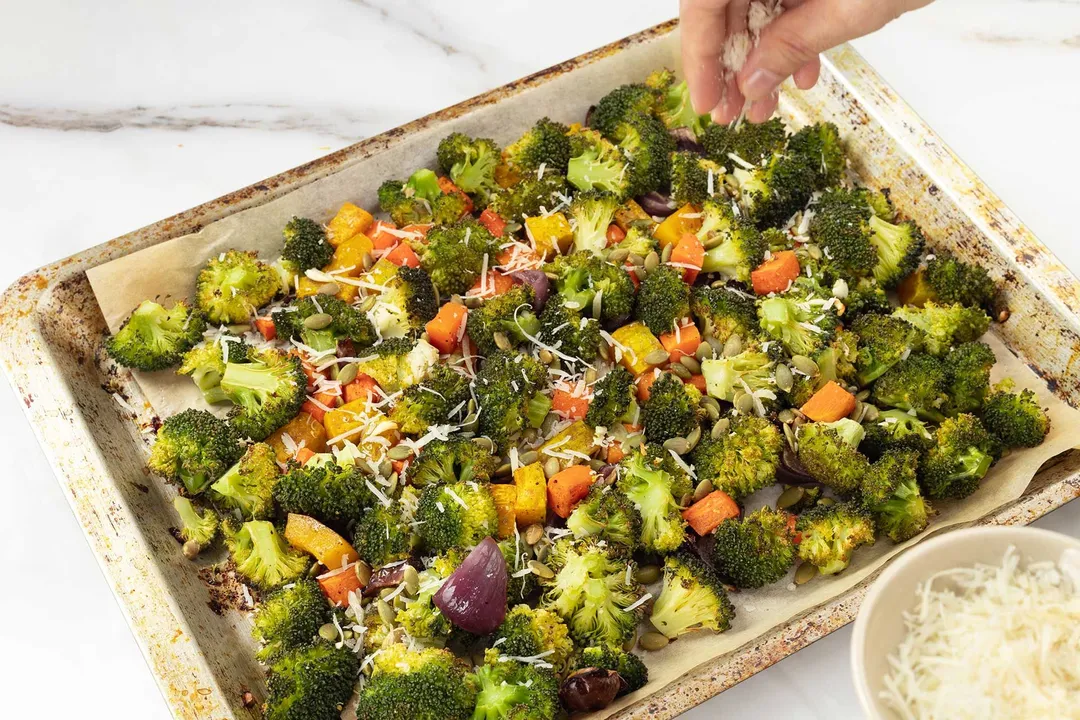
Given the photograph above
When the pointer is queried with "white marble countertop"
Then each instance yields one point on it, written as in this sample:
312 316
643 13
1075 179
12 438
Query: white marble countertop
115 114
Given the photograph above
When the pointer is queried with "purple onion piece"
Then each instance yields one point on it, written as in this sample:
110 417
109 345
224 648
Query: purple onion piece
590 689
686 140
588 115
656 204
385 577
791 471
540 284
474 596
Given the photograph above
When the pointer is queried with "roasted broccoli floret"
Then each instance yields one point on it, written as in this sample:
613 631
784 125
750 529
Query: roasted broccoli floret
743 460
529 632
841 227
503 388
311 682
417 685
382 536
945 325
598 164
399 362
829 452
194 448
263 557
607 514
895 430
891 491
450 461
592 211
569 332
630 667
154 338
510 314
422 618
650 488
750 142
512 690
289 618
831 533
195 527
233 285
649 145
968 369
406 304
268 391
454 255
249 484
581 276
692 598
690 178
330 493
455 515
470 163
413 201
347 323
671 410
963 451
883 342
772 193
592 590
205 364
918 383
947 280
756 550
305 246
430 401
866 297
724 376
723 312
621 104
673 104
612 396
1016 420
545 143
639 239
529 197
801 325
822 150
663 299
734 247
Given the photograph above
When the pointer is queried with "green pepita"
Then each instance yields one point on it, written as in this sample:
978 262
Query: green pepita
330 288
618 255
693 438
690 363
348 373
733 346
784 379
720 428
665 256
485 443
703 488
657 357
533 533
653 641
704 351
411 578
680 370
501 341
503 470
678 444
328 632
363 572
399 452
647 574
528 457
805 365
652 261
191 549
785 416
790 497
541 570
551 467
805 573
386 613
744 403
318 321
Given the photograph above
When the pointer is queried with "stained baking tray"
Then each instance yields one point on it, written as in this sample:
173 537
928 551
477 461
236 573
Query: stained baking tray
201 655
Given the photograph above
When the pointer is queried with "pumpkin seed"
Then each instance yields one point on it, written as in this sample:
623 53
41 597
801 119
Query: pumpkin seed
713 412
348 373
503 470
872 413
328 632
528 457
604 351
545 356
693 438
652 261
805 365
484 443
318 321
618 255
713 240
551 467
718 283
367 261
399 452
392 486
814 250
680 370
363 572
854 414
411 578
541 570
530 435
386 613
590 376
704 351
552 276
653 641
641 272
647 574
784 379
385 468
691 364
686 500
472 302
635 259
542 550
716 345
501 341
597 463
330 288
785 416
709 401
703 488
666 254
533 533
720 429
789 435
629 644
862 394
191 549
597 304
826 502
790 497
657 357
678 444
805 573
732 346
744 404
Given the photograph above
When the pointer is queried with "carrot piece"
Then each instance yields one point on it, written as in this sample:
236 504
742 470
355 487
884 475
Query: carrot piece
776 273
491 220
303 455
688 251
314 410
444 330
362 388
569 406
567 488
615 453
337 584
706 514
829 404
505 496
684 342
420 229
400 465
496 284
633 275
644 381
403 254
615 234
380 238
266 328
520 255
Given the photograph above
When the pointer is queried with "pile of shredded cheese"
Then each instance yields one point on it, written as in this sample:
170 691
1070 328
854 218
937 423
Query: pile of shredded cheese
992 642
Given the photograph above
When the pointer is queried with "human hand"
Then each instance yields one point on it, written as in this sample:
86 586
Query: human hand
789 46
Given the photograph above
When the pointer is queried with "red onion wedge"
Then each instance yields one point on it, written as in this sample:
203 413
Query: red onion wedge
474 596
539 283
656 204
686 140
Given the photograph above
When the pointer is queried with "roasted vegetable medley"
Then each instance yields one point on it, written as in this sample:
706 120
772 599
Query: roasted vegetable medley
478 453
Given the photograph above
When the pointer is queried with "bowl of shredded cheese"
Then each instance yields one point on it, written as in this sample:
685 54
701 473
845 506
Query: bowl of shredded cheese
978 623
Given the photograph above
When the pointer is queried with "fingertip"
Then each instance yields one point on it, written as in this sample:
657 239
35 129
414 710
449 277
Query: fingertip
762 110
807 76
730 106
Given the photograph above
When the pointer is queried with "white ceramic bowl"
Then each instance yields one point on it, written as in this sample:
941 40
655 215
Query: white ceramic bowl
879 627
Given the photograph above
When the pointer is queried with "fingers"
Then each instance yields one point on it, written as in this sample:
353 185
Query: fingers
807 76
731 106
704 28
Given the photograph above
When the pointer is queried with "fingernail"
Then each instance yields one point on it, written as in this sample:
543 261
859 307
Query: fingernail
760 84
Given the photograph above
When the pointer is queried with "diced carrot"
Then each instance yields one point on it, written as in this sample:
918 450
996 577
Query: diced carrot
776 273
491 220
520 255
313 376
706 514
689 251
403 254
420 229
303 455
644 381
399 466
496 284
316 411
567 488
444 329
266 328
829 404
615 453
362 388
380 238
615 234
568 405
337 585
683 342
698 381
633 275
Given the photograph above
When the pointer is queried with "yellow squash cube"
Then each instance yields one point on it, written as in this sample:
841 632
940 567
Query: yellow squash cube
550 234
308 534
304 430
637 344
530 504
505 496
370 429
629 213
686 219
570 446
349 221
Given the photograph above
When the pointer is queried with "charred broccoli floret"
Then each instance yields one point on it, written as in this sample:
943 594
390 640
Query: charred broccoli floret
612 396
528 632
582 276
743 460
233 285
512 690
663 299
418 200
649 145
263 557
195 527
328 492
724 376
772 193
829 452
607 514
510 314
470 163
831 533
289 619
194 448
723 312
545 143
650 488
422 618
947 280
756 550
430 401
692 598
382 536
883 342
963 451
347 323
821 148
529 196
455 515
945 325
802 325
621 104
750 142
451 461
1016 420
639 239
630 667
673 104
154 338
918 383
866 297
895 430
503 388
417 685
734 246
592 212
205 364
268 391
305 245
671 410
311 682
569 332
598 164
891 491
690 182
454 255
406 304
249 484
968 369
841 227
592 590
